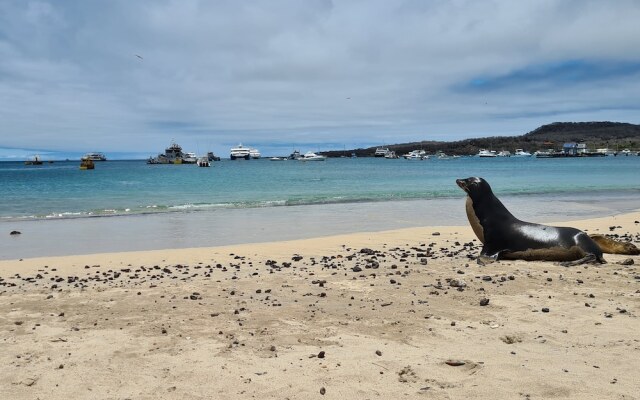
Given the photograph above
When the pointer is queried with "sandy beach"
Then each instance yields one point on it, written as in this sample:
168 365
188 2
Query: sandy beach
394 314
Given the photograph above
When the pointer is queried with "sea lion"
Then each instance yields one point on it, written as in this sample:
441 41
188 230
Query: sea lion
506 237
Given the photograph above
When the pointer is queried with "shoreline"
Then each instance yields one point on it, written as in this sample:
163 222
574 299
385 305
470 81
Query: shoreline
237 226
361 315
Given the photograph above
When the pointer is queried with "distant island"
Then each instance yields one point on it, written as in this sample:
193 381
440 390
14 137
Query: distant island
612 135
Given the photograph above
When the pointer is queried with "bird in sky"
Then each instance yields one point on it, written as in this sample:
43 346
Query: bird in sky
139 56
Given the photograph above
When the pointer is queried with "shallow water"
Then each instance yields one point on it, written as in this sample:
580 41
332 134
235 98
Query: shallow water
61 210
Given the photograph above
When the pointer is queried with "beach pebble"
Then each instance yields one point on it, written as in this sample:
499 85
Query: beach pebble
484 302
627 261
15 233
435 234
545 309
356 269
378 353
455 363
321 354
323 390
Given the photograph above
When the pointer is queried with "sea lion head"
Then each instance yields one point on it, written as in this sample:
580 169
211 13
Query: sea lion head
475 187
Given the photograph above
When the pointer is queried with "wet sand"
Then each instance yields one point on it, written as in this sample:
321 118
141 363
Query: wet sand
396 314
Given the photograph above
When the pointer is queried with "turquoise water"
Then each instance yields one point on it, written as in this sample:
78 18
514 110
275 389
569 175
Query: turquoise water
61 190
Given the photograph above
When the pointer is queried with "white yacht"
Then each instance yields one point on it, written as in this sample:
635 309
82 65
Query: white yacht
189 158
311 156
381 152
240 152
504 153
254 154
416 155
521 153
391 155
486 153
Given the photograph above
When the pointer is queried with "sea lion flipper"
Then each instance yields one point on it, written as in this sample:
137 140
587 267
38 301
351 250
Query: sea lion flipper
587 259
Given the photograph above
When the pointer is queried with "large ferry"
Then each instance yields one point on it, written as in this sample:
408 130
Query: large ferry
95 157
241 152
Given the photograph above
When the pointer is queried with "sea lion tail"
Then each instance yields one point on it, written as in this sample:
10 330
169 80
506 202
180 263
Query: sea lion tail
611 246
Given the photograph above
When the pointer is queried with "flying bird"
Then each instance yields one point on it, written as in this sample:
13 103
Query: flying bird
139 56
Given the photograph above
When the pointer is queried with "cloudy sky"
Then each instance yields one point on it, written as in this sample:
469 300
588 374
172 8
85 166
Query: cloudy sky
128 76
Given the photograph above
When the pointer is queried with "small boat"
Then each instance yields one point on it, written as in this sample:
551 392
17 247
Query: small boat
625 152
441 155
35 160
295 155
95 156
212 157
254 154
203 162
521 153
391 155
416 155
486 153
86 163
189 158
278 159
504 153
311 156
381 152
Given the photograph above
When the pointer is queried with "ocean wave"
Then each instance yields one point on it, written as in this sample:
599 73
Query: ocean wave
311 201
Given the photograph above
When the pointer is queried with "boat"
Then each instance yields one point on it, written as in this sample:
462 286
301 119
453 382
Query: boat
606 151
203 162
521 153
625 152
295 155
441 155
254 154
35 160
189 158
172 155
504 153
95 156
391 155
86 163
416 155
311 156
240 152
212 157
278 159
381 152
486 153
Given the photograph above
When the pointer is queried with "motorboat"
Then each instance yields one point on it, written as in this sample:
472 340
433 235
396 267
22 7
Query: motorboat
625 152
254 154
240 152
416 155
486 153
278 159
311 156
381 152
295 155
203 162
504 153
189 158
35 160
521 153
391 155
86 163
441 155
95 157
212 157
